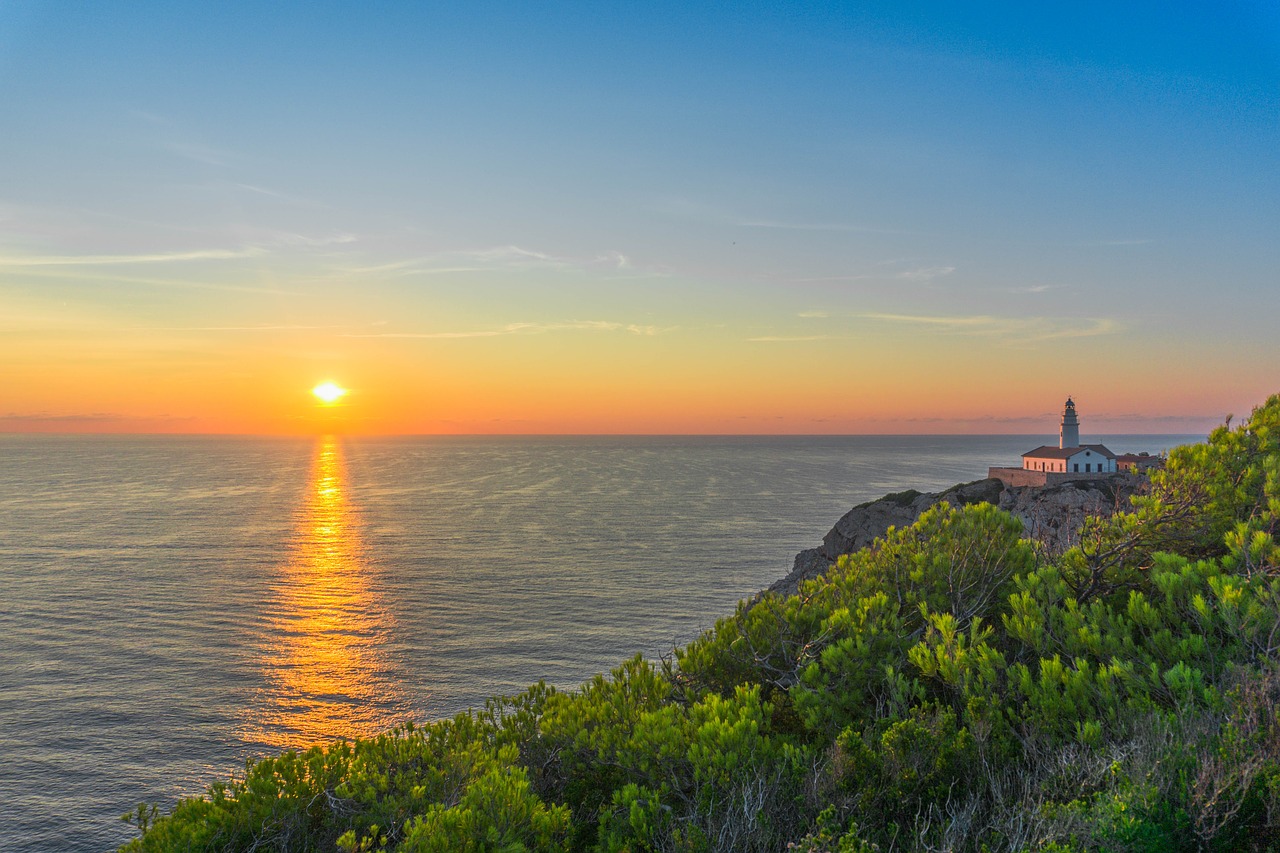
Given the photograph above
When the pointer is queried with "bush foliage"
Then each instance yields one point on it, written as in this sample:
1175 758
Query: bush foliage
952 687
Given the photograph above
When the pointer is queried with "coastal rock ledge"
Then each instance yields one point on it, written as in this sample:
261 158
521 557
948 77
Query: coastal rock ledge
1051 514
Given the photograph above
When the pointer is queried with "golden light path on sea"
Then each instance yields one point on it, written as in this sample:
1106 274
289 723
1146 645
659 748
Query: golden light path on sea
324 660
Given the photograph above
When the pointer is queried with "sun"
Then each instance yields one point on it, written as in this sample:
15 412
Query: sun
329 393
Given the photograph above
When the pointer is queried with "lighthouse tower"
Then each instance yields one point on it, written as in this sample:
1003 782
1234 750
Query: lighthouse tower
1069 433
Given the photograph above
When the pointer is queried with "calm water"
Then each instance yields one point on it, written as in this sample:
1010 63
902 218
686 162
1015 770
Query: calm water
172 606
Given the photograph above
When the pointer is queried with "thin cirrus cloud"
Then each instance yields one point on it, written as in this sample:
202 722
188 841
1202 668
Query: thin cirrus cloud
171 283
258 190
511 255
1010 331
197 152
520 329
924 273
494 258
166 134
1013 329
87 418
776 339
289 327
916 274
146 258
1142 242
294 239
511 252
699 210
839 227
515 255
413 266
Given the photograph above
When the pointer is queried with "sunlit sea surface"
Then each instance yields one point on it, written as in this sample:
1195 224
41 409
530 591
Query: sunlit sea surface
172 606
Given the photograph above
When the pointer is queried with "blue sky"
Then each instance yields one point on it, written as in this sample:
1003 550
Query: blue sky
1074 200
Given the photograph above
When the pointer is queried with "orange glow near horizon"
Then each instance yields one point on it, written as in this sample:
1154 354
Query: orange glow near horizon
543 384
324 663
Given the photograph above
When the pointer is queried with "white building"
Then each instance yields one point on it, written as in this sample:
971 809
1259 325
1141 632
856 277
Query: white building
1070 456
1086 459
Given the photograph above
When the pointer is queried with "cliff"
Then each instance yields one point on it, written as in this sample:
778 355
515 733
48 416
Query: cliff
1050 514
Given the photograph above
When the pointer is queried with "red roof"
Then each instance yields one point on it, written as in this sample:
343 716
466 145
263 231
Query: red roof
1048 451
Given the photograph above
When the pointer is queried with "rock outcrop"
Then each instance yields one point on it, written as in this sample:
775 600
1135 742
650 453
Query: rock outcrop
1051 514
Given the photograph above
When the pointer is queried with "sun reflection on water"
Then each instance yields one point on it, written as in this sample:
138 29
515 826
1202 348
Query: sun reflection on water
325 662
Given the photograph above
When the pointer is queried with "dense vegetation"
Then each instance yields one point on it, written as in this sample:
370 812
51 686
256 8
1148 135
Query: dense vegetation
954 687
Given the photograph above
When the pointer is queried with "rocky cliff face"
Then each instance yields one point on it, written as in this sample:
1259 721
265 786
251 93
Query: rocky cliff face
1051 514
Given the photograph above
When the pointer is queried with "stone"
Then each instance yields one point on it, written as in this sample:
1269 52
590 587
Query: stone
1050 514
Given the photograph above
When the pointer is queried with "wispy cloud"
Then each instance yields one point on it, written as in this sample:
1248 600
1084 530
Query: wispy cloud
813 315
289 238
924 273
197 151
80 275
414 266
842 227
1120 242
886 273
170 137
1128 417
499 259
519 329
257 190
288 327
148 258
850 277
958 323
45 416
1089 329
682 207
1015 330
87 418
511 252
1033 288
247 194
773 339
520 256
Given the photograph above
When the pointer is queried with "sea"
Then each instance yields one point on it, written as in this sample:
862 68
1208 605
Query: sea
171 607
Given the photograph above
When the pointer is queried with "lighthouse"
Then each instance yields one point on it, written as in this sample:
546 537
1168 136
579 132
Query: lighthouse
1069 433
1070 460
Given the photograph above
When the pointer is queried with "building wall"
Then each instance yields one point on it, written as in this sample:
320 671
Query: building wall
1022 477
1018 476
1092 459
1098 464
